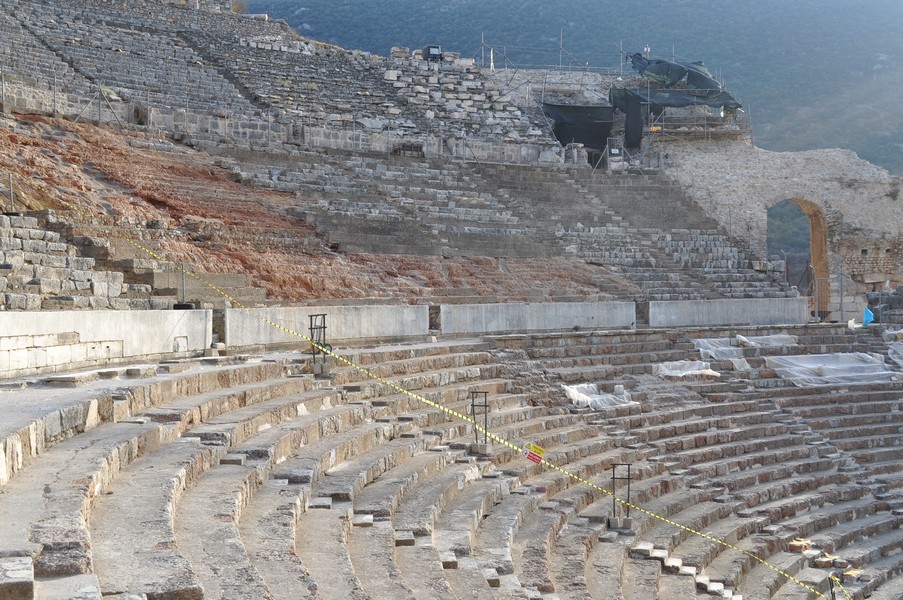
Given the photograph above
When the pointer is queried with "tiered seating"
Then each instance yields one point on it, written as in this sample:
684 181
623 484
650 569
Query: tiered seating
624 222
25 60
601 356
169 15
718 260
322 84
357 489
337 447
406 207
153 68
823 502
329 86
367 206
52 499
726 494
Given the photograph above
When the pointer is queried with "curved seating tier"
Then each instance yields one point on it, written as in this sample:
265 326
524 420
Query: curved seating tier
341 487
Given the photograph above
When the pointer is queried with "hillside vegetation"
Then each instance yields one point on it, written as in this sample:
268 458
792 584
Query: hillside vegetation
813 73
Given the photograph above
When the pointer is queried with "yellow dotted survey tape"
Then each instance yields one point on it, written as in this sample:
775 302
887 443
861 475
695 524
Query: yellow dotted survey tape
532 452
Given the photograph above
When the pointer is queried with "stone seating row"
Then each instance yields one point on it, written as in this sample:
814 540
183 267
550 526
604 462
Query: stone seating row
579 445
211 432
818 481
322 85
416 187
611 245
637 207
53 532
150 68
24 59
173 16
645 498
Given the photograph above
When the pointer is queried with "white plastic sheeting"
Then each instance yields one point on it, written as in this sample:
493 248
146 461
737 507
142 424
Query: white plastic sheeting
823 369
894 340
732 348
585 395
895 352
680 369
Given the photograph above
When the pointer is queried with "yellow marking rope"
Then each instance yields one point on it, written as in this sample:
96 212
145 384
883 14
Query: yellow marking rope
369 374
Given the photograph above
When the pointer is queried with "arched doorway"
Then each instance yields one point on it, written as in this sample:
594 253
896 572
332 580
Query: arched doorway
797 232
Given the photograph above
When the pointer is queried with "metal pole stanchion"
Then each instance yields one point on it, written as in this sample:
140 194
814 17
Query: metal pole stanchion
841 293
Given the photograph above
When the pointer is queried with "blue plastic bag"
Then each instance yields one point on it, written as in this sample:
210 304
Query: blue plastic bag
867 316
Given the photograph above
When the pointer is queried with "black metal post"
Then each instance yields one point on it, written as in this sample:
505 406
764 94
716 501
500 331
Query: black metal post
476 408
318 336
615 478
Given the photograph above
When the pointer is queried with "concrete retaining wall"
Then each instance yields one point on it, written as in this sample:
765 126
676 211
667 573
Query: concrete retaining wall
512 318
49 341
255 327
747 311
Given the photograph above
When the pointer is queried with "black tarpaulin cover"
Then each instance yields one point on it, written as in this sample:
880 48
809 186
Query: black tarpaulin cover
661 98
589 125
701 88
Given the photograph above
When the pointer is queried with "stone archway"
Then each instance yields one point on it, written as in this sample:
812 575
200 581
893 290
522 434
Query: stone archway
820 286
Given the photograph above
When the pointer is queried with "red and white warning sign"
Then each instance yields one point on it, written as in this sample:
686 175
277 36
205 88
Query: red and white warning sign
533 452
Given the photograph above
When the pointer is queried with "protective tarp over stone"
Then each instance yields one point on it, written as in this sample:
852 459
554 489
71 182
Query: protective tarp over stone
584 124
685 369
701 87
825 369
585 395
732 349
659 98
894 340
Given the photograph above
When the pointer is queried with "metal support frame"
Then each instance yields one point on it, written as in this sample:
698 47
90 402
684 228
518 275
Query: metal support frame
102 99
820 288
318 345
615 478
479 407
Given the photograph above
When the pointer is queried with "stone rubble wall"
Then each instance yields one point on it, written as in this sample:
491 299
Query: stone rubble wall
40 272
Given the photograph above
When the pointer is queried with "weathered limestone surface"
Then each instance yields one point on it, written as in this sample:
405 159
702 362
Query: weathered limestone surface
853 206
741 180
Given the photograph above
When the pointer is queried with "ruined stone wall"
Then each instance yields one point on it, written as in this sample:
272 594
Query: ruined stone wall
858 202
